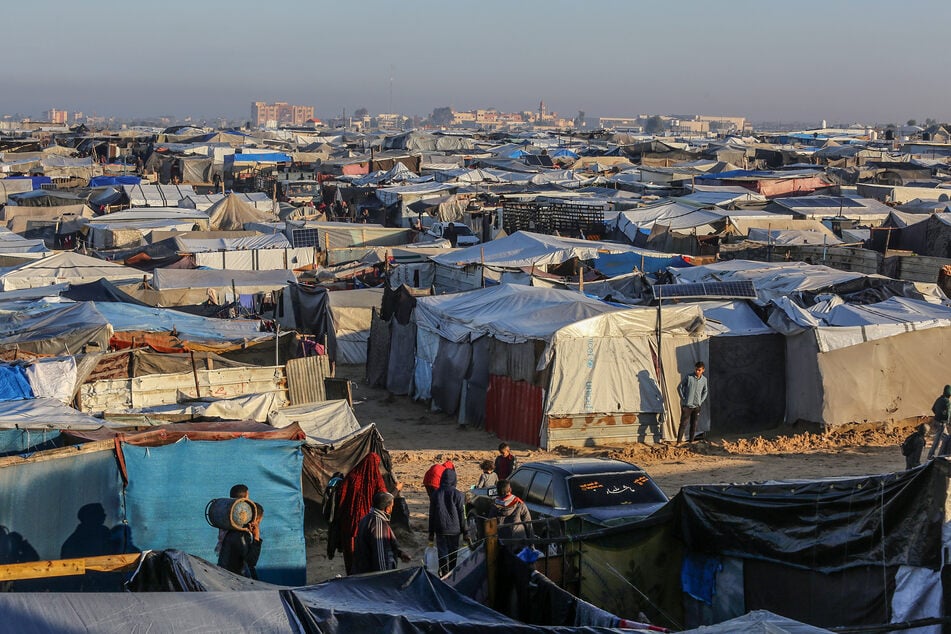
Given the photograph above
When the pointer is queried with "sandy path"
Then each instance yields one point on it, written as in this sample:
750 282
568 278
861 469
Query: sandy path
417 437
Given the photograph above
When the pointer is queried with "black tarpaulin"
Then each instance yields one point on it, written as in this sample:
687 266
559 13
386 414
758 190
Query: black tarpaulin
260 612
824 525
177 571
405 601
312 315
99 291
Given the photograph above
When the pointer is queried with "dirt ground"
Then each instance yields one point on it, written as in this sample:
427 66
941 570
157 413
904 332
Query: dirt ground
417 437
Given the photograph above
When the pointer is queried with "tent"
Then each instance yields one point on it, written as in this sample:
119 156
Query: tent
351 312
550 367
231 213
66 266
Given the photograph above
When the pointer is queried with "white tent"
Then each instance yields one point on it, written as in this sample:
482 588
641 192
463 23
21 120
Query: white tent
67 266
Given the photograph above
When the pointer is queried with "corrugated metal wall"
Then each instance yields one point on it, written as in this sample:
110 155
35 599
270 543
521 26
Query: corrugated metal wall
513 409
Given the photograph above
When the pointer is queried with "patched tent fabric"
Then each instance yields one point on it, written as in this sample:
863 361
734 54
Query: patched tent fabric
351 312
53 329
876 520
192 473
177 571
45 413
13 383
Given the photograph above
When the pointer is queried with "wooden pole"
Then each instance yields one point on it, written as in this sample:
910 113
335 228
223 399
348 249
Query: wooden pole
491 530
68 567
482 266
191 353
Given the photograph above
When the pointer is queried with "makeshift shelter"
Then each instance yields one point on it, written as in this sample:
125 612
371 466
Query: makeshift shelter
352 313
549 367
42 329
69 267
231 213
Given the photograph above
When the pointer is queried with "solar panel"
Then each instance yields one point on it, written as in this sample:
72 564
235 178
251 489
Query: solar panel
742 289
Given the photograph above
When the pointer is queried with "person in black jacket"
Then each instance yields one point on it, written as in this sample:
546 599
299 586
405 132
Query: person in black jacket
447 520
241 548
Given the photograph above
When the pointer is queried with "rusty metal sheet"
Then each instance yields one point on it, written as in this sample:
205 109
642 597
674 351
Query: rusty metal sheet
513 409
305 379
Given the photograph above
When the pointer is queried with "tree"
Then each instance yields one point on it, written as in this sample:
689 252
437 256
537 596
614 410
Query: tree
442 116
361 113
911 122
654 125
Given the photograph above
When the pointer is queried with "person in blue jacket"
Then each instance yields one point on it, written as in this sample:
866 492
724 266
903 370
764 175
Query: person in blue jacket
447 520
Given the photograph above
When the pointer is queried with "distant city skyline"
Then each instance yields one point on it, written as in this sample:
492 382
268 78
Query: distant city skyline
869 62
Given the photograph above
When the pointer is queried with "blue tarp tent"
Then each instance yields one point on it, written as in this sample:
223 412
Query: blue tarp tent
169 487
103 181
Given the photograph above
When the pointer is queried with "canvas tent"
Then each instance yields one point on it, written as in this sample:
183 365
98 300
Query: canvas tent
231 213
66 266
352 311
552 367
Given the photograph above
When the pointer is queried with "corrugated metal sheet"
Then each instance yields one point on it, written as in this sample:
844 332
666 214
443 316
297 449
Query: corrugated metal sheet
305 379
513 409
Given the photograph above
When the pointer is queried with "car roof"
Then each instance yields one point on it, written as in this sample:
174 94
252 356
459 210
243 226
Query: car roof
582 466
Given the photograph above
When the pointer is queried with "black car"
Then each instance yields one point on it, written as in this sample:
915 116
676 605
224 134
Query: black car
596 491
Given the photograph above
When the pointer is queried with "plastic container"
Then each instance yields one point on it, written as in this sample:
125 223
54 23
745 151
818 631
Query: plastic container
431 559
229 513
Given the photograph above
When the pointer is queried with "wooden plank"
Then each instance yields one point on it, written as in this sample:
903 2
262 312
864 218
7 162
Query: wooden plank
62 452
68 567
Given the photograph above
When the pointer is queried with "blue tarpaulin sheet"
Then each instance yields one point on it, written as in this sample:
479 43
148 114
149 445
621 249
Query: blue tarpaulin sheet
41 501
264 157
612 264
16 441
170 486
104 181
13 383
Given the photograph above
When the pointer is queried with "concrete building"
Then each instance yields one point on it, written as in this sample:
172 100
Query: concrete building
56 116
272 115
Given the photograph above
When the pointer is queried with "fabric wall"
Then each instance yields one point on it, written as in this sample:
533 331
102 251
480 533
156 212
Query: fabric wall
41 501
804 388
378 352
427 345
476 385
679 354
399 374
312 315
449 371
169 487
886 379
747 375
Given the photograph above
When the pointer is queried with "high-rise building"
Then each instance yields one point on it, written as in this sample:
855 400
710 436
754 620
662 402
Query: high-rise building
56 116
279 113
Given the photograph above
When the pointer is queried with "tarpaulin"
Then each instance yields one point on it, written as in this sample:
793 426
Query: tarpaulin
176 571
42 501
169 487
825 525
53 378
312 314
173 432
401 602
13 383
261 612
14 441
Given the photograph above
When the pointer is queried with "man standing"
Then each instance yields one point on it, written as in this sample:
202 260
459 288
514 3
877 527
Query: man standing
447 520
942 416
375 547
693 392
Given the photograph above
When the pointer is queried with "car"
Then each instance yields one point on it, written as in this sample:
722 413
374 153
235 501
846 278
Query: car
464 235
588 492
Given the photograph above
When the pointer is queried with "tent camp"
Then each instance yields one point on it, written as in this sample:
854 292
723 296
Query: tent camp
231 213
549 367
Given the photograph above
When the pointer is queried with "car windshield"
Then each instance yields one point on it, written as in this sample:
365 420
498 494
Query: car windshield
613 489
463 230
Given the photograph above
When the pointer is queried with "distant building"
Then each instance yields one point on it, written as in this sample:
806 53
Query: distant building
56 116
272 115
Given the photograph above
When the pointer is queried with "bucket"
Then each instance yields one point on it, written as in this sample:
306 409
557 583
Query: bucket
229 513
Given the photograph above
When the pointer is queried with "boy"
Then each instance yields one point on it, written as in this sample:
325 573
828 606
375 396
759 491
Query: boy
504 462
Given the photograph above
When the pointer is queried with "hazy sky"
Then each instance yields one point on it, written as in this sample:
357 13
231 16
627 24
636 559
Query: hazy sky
869 60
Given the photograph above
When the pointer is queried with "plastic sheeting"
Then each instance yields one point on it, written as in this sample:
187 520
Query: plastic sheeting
41 499
53 378
525 249
13 383
187 474
760 622
66 266
261 612
131 318
324 423
821 525
256 407
45 413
